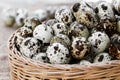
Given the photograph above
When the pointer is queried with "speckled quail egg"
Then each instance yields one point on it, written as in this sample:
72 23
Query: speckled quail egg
107 25
84 14
59 28
30 47
116 5
102 57
114 48
40 57
9 16
42 14
51 11
85 62
43 33
99 41
24 32
20 35
78 30
58 54
104 10
64 14
80 47
118 26
32 22
51 22
61 38
21 14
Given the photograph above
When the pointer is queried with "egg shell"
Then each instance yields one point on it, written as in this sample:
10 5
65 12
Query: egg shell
58 54
116 5
99 42
78 30
42 14
9 16
20 35
43 33
61 38
59 28
32 22
40 57
51 22
64 14
104 10
80 47
114 48
102 57
84 14
30 47
84 62
21 15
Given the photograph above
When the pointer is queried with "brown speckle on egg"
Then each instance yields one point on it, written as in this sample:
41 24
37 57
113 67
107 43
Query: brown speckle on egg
58 54
76 7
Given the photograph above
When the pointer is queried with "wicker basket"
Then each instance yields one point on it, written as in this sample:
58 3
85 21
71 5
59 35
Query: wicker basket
22 68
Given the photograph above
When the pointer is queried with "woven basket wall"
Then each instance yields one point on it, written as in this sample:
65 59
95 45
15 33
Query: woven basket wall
22 68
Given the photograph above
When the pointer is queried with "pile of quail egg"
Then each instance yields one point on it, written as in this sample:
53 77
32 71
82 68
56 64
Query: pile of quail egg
83 34
16 16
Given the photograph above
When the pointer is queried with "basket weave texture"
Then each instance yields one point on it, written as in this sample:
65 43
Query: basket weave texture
22 68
